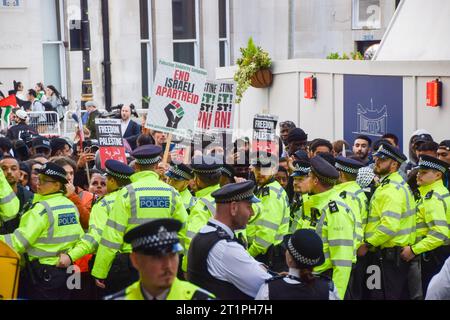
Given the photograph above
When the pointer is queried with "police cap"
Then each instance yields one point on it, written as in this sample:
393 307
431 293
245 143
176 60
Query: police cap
180 172
52 170
235 192
155 237
205 165
324 171
227 170
348 165
118 169
301 168
147 155
429 162
388 151
306 247
263 160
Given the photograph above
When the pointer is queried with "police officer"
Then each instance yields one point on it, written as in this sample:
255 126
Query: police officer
155 255
145 199
217 261
179 177
206 177
433 219
391 225
117 176
304 251
9 203
301 189
228 174
333 221
353 195
273 223
50 227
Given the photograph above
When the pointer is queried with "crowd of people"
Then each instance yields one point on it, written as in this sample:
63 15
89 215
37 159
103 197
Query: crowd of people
305 221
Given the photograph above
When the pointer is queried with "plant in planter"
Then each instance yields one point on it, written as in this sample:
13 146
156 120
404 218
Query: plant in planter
254 69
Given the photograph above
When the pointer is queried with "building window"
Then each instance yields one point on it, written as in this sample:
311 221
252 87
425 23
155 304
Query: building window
366 14
54 52
185 20
145 7
224 32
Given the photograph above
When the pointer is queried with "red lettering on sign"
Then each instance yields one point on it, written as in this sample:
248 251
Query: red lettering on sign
181 75
222 120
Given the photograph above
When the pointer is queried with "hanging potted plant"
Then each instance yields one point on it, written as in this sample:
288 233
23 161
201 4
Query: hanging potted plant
254 69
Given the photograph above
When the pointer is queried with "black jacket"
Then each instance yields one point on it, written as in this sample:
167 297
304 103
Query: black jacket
132 133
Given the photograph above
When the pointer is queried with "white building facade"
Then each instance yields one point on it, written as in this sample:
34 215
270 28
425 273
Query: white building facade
34 38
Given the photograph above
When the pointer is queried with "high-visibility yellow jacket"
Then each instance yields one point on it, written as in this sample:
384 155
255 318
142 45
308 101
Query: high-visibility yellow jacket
180 290
199 214
392 214
352 194
333 221
187 198
433 218
273 222
145 199
9 203
99 216
298 214
51 226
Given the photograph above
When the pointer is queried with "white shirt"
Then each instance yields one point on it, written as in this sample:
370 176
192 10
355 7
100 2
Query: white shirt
148 296
263 293
230 262
124 126
439 287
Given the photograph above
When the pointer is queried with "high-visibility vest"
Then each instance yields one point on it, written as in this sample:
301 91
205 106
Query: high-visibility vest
145 199
187 198
334 222
99 216
352 194
199 214
433 218
273 223
50 227
9 203
298 214
392 214
180 290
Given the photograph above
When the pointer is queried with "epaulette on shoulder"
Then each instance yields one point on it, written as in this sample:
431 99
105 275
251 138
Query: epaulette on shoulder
201 294
385 182
265 191
333 207
98 200
343 194
429 195
116 296
274 278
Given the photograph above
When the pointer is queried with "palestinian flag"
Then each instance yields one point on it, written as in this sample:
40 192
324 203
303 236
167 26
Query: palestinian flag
7 104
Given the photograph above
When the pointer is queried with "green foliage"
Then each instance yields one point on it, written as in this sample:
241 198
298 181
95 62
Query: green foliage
253 59
353 55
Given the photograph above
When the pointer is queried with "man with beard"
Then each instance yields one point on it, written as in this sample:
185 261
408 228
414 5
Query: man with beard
361 148
391 226
11 170
155 248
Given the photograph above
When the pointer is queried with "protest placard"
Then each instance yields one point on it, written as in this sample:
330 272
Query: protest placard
110 141
264 134
176 98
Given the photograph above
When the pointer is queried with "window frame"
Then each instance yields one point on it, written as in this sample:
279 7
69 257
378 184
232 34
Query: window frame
149 48
196 40
60 7
356 23
226 40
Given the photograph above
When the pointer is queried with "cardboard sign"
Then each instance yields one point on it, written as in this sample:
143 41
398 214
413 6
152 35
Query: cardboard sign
109 133
9 272
264 134
217 108
176 98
